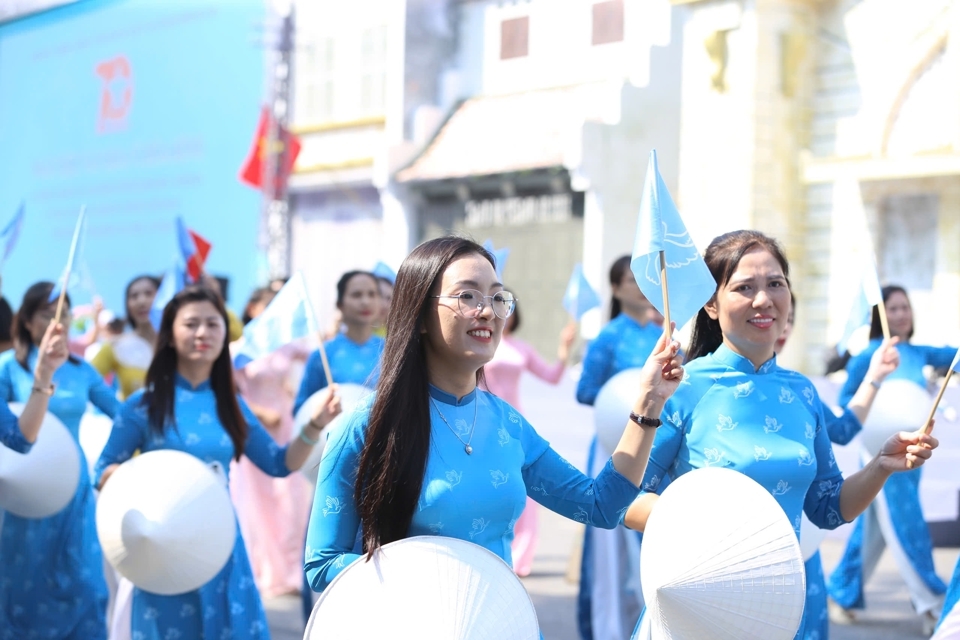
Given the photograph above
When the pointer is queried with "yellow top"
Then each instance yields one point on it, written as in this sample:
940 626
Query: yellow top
128 357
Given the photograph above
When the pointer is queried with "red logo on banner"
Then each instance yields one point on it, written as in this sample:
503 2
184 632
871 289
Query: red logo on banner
116 94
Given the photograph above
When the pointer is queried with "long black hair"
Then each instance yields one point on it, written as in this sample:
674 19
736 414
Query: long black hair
160 382
722 257
394 455
35 299
619 267
155 281
876 327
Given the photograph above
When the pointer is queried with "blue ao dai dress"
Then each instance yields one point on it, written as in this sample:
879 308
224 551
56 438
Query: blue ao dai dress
609 563
767 423
901 495
476 497
349 362
51 569
229 605
10 435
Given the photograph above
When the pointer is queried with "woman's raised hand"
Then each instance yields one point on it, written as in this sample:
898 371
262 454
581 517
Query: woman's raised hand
663 370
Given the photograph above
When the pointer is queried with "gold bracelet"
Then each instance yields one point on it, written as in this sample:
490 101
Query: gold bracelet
47 391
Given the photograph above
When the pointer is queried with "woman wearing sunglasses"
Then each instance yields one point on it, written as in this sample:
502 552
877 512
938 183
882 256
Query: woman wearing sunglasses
431 454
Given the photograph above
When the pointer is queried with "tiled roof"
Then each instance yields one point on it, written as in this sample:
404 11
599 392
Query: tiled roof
506 133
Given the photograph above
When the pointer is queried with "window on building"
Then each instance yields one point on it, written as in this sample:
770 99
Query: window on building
373 80
514 38
608 22
314 68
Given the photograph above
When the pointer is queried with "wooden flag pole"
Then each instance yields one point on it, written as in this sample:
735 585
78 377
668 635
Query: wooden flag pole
928 425
884 323
325 362
666 296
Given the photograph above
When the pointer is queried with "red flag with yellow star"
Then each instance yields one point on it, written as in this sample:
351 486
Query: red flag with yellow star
252 171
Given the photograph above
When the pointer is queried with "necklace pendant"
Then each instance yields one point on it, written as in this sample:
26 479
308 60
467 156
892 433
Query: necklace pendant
468 449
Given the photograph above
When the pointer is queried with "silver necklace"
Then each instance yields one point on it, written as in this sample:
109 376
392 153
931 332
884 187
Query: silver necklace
466 445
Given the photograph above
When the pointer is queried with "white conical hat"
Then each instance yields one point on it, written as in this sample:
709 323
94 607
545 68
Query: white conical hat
900 405
94 432
41 482
611 410
165 522
350 396
720 560
425 587
810 537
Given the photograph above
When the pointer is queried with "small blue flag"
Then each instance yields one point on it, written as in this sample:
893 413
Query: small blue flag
580 296
499 256
660 228
383 270
173 281
861 312
955 366
11 233
70 276
288 317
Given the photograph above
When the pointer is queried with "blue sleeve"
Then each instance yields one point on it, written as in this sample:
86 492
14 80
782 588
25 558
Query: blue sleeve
856 372
938 357
263 450
822 503
666 446
841 429
334 520
597 368
562 488
10 434
6 383
314 379
128 434
102 396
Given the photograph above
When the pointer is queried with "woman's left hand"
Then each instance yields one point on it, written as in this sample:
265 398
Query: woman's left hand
906 450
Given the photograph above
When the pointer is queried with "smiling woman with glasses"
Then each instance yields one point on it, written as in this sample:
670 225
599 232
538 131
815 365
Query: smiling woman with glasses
431 454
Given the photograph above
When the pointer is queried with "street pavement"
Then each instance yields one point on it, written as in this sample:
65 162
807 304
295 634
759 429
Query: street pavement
568 426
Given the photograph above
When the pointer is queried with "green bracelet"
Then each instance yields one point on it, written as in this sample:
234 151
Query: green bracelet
308 440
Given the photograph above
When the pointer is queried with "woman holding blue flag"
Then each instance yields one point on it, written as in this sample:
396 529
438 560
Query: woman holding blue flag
609 600
354 355
738 409
51 569
189 403
897 520
433 454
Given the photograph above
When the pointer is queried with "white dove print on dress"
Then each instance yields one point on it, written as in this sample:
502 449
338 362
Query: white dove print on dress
725 423
743 389
805 458
503 436
454 478
333 506
461 427
771 425
809 431
581 515
713 457
809 394
782 488
498 478
478 526
761 453
786 396
435 527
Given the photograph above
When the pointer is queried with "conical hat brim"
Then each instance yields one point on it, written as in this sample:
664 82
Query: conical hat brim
721 560
426 587
41 482
165 522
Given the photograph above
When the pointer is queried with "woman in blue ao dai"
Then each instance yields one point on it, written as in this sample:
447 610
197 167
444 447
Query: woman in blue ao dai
841 429
189 404
896 519
51 569
738 409
609 599
468 459
354 355
20 433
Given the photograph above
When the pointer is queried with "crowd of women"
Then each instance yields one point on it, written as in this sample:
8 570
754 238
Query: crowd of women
442 447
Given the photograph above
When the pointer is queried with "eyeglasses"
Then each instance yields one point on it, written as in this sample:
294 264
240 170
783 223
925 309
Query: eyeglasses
471 302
